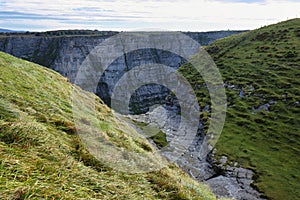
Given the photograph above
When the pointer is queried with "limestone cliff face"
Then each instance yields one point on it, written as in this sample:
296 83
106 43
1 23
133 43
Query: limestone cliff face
62 54
65 55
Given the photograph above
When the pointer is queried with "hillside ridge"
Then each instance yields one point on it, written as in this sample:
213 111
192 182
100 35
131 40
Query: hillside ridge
261 74
41 155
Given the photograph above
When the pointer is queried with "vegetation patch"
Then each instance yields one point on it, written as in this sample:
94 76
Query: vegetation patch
151 132
160 139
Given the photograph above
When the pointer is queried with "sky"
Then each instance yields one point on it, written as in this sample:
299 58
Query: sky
125 15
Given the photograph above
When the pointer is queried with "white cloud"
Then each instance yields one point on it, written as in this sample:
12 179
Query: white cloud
193 15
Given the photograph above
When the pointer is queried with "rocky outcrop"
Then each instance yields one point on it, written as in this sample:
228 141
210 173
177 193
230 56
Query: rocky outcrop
230 180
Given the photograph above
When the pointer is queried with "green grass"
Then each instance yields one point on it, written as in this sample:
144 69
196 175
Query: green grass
42 157
160 139
268 60
151 132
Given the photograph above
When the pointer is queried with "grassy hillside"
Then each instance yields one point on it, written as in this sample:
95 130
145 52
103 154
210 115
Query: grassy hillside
41 156
261 69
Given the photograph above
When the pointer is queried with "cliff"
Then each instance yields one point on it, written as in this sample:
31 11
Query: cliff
64 52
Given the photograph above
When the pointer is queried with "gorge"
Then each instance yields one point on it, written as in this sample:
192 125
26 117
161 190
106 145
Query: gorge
65 55
256 156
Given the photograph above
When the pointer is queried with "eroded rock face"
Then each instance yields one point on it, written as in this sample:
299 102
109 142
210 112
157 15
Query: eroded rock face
65 55
62 54
147 95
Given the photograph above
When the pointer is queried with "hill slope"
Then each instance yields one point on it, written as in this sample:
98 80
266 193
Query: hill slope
41 155
261 71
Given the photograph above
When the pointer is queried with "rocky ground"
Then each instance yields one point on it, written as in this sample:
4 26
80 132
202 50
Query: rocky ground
225 179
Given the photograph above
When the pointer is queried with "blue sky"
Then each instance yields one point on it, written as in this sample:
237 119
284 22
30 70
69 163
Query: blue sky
182 15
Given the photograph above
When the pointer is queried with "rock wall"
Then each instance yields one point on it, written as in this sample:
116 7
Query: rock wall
62 54
65 55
